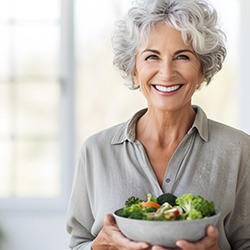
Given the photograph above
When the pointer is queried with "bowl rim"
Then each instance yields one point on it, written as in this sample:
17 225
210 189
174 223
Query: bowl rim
217 214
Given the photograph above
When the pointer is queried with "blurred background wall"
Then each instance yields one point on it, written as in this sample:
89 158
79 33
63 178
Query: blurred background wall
58 86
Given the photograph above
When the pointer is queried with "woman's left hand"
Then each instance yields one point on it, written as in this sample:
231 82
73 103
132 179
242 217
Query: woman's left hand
209 242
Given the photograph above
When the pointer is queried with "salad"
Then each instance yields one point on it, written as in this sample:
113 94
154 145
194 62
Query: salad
168 207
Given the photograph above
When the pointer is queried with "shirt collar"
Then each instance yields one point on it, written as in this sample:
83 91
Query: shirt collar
200 123
127 131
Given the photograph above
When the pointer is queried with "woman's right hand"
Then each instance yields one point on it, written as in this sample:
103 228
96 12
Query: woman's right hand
111 238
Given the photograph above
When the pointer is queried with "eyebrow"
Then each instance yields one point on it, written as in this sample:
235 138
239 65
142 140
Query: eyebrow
184 51
151 50
176 53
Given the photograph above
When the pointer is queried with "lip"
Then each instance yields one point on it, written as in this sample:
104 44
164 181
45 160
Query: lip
167 90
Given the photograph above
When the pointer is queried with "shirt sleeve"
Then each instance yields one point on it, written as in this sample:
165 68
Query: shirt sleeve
238 222
79 217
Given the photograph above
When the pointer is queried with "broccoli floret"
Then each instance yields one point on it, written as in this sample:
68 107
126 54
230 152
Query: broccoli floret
151 198
195 206
167 197
134 211
149 209
132 200
139 215
132 208
194 214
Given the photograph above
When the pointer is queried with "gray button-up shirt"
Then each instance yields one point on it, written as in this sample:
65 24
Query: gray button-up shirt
212 160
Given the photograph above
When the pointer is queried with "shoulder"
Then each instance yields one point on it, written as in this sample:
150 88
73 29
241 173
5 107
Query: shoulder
116 134
99 145
105 136
224 133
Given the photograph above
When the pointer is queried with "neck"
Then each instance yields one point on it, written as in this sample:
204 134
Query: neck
164 127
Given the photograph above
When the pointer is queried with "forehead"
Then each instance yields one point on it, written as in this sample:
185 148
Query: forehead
164 36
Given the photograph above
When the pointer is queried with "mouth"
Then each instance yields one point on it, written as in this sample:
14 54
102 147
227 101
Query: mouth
167 89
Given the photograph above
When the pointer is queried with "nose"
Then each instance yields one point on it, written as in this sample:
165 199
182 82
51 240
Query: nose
167 70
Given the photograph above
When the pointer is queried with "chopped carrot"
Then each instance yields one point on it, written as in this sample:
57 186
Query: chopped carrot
150 204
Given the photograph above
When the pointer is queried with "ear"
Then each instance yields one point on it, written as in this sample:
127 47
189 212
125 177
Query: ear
135 79
201 80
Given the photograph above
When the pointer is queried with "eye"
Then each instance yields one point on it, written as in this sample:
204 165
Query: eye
151 57
182 57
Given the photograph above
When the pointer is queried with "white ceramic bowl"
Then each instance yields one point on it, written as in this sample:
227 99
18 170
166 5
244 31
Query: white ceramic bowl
164 233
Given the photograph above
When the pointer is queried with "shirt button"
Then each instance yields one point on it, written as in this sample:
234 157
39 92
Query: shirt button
168 180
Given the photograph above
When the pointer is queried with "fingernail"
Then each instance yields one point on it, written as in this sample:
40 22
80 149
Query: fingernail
211 228
146 246
178 243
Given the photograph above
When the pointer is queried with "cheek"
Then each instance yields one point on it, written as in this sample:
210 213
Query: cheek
193 75
197 72
142 76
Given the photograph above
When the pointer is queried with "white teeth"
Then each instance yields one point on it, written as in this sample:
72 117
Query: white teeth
167 89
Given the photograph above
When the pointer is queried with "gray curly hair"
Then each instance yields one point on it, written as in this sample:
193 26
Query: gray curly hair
196 19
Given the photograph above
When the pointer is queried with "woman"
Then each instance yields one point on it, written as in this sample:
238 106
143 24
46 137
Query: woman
167 49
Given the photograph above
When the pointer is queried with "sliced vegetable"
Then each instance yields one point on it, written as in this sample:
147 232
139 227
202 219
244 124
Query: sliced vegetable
150 204
173 210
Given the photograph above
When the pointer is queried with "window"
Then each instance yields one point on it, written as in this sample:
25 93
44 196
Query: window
36 104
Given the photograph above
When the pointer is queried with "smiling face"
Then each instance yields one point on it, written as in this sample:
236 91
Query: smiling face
167 71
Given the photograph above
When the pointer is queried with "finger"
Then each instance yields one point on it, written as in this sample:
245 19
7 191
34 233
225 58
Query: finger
206 243
135 245
109 220
212 232
123 241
